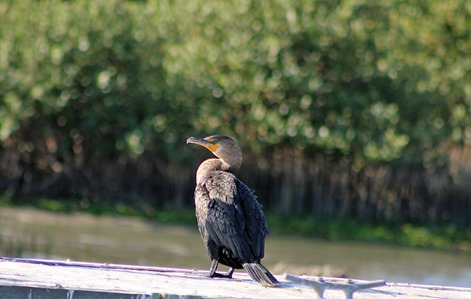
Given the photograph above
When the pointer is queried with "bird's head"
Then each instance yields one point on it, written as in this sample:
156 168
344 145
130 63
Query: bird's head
223 147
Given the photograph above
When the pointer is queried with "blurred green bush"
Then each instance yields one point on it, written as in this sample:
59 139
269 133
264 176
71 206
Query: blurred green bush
373 81
363 82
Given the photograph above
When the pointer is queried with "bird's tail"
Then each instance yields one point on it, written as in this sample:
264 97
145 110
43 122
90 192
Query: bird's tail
260 274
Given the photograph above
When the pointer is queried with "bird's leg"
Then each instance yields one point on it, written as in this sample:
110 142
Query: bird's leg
228 274
213 273
212 269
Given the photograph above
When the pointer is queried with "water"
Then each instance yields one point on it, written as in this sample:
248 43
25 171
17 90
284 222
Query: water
38 234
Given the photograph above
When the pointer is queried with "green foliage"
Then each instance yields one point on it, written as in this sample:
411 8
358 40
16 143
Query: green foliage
88 76
90 90
375 82
133 209
440 237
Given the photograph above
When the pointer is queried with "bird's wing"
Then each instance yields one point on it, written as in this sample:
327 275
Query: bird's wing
255 223
225 220
224 217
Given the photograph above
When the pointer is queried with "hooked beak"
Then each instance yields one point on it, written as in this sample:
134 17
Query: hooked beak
204 143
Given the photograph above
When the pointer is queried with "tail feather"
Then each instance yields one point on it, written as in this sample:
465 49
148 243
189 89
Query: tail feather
260 274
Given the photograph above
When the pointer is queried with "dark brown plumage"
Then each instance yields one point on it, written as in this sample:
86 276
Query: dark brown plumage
230 219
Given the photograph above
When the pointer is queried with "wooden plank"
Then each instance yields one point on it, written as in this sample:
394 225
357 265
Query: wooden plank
37 279
23 292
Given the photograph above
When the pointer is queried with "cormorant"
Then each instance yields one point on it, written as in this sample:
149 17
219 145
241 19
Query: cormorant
230 220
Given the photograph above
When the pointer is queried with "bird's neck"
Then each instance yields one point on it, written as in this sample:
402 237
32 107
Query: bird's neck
213 165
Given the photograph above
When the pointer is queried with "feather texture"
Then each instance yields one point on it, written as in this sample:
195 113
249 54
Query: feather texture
230 219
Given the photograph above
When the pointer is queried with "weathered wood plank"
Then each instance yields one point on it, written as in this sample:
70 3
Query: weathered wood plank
23 292
37 279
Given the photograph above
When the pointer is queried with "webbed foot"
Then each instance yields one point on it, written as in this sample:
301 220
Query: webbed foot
213 273
228 274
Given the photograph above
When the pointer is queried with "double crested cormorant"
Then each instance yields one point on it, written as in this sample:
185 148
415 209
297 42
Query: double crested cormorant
230 219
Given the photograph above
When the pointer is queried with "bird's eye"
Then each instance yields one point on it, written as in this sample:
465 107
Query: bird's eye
215 141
